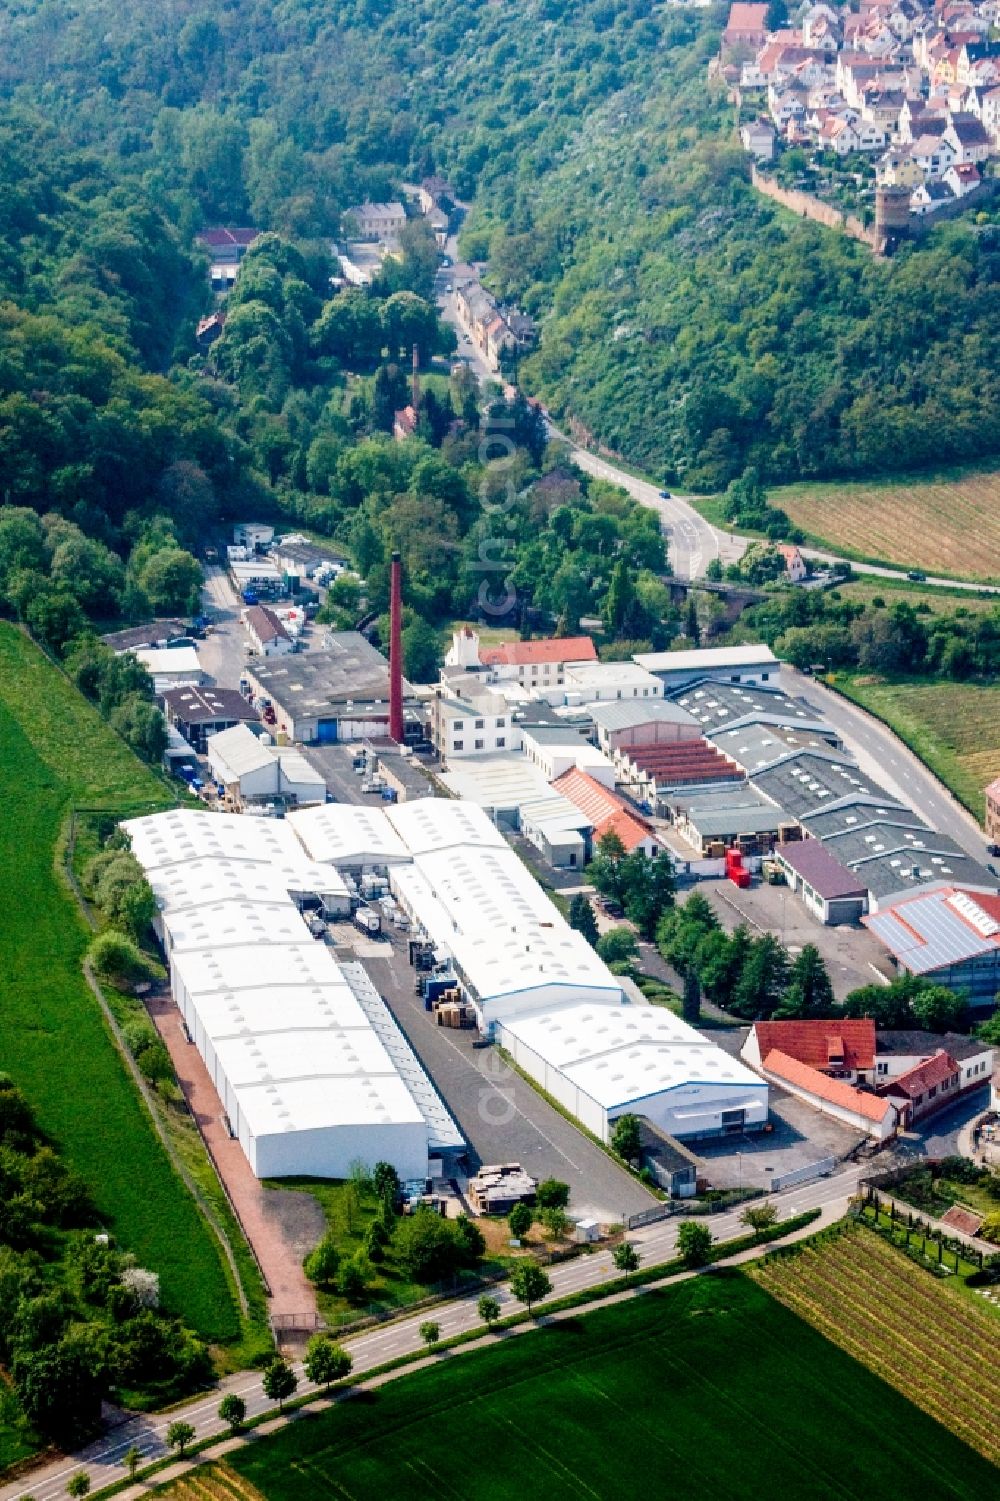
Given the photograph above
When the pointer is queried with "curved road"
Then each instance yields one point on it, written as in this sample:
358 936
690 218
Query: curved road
103 1460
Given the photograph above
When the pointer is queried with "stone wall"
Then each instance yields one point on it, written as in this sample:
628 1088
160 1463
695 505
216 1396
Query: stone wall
806 206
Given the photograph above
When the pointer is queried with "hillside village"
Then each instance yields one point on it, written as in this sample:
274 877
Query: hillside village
905 92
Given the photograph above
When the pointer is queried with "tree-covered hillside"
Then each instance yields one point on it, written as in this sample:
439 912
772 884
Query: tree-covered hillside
686 322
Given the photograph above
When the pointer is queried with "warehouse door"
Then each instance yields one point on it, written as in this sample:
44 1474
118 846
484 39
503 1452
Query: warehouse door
326 731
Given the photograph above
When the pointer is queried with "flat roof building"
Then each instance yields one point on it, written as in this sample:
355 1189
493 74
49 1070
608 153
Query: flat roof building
170 666
337 693
748 663
601 1063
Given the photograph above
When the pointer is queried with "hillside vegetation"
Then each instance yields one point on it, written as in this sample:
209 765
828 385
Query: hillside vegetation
687 322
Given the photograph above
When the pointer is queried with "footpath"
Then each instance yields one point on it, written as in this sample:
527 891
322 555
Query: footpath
104 1464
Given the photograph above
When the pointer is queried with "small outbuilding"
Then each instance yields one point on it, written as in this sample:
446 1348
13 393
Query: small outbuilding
831 892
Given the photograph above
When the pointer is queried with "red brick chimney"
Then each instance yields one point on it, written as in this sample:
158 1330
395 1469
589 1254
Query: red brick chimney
396 650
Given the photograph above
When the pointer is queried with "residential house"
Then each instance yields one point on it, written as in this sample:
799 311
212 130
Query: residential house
404 424
209 329
839 135
967 137
927 1087
227 246
795 564
843 1049
535 664
990 113
933 155
897 169
962 178
758 139
378 221
745 33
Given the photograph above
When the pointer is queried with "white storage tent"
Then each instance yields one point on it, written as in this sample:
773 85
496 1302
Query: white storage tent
601 1063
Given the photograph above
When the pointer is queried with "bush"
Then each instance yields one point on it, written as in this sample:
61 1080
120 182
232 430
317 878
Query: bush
115 958
323 1263
551 1194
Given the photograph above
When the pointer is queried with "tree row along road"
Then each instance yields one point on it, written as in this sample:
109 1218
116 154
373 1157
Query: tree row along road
104 1460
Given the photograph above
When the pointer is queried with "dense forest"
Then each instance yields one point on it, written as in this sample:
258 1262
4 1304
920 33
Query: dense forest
686 322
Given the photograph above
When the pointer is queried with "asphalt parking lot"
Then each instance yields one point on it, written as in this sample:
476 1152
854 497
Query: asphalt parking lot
851 954
501 1116
335 765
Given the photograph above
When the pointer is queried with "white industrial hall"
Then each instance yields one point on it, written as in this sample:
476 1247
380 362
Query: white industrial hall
311 1081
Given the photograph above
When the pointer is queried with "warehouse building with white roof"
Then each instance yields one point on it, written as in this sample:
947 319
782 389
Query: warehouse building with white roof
312 1075
602 1063
349 836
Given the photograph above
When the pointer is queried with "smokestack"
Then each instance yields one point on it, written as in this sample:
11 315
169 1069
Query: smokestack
415 380
396 650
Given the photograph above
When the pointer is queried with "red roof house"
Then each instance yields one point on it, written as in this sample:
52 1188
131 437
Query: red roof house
529 653
855 1107
926 1087
844 1046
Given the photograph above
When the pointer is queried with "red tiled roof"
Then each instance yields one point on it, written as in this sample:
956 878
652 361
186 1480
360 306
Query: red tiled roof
923 1076
692 761
834 1091
746 18
810 1041
553 649
607 811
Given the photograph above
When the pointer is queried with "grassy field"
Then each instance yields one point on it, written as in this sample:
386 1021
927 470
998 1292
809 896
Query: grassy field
55 751
953 727
921 1336
864 588
947 524
215 1482
710 1388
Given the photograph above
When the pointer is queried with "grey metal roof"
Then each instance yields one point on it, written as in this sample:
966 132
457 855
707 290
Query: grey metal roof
725 703
859 813
731 810
893 858
813 779
627 714
307 683
754 745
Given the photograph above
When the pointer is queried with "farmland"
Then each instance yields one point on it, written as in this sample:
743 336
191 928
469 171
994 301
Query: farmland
56 751
953 727
916 1333
633 1400
948 524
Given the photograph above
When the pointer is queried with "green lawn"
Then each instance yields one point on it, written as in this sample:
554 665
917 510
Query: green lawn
953 727
709 1389
55 751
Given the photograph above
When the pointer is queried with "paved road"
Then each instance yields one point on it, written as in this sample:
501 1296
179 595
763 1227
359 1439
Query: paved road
501 1117
102 1461
879 752
877 570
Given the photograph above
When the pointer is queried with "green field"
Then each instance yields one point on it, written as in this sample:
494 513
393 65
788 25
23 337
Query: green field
953 727
709 1389
55 751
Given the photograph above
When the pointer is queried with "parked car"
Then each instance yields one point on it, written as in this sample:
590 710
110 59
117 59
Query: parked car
916 575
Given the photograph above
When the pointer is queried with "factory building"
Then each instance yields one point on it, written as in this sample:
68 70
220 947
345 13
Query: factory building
312 1074
726 664
252 771
600 1064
